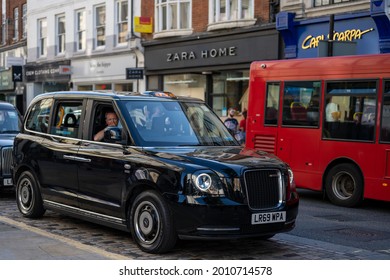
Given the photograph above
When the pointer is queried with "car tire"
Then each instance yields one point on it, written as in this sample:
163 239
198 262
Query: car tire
151 223
28 196
344 185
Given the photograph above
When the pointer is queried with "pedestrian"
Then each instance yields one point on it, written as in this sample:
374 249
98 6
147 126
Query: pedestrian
232 124
242 126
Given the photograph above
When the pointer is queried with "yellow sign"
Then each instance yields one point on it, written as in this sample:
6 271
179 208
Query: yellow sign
143 24
347 36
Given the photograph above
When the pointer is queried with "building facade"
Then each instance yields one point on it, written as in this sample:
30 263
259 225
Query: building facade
204 48
13 51
358 27
82 45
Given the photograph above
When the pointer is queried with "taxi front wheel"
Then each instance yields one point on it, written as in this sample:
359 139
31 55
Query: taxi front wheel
151 223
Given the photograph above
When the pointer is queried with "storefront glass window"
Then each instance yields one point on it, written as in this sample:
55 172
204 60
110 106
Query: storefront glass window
103 86
85 87
230 89
51 86
123 87
193 85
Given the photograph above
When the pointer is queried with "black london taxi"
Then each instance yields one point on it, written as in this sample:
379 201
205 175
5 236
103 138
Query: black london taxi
166 168
10 124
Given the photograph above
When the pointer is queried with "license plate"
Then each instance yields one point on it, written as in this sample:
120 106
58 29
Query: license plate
7 182
267 218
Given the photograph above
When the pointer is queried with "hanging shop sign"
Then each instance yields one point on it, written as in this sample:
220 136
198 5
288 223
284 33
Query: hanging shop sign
143 24
134 73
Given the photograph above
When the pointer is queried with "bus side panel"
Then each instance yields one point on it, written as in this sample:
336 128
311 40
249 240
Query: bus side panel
257 136
377 183
300 148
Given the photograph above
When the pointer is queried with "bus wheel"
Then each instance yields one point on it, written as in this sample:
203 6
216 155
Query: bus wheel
344 185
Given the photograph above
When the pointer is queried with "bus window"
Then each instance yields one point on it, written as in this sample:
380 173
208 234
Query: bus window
272 104
301 103
350 109
385 122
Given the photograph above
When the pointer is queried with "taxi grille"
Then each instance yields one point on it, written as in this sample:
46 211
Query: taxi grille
6 161
264 188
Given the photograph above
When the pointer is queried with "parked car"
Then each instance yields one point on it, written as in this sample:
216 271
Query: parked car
10 124
168 169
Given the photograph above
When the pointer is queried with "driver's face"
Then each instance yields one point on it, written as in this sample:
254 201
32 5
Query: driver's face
111 119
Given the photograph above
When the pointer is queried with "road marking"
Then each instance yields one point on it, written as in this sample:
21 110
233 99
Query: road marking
65 240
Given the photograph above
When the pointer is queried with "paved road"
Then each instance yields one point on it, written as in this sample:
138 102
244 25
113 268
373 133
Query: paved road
60 237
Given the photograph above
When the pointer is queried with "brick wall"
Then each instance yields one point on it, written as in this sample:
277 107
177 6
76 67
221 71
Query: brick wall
10 6
200 15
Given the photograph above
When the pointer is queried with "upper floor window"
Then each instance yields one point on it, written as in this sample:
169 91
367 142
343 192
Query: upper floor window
100 26
16 24
81 39
24 21
231 10
4 32
172 15
319 3
122 25
60 34
42 37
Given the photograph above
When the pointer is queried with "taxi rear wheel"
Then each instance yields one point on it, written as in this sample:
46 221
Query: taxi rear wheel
151 223
344 185
28 196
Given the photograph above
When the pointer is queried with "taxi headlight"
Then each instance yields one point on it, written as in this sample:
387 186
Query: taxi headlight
290 175
203 181
207 182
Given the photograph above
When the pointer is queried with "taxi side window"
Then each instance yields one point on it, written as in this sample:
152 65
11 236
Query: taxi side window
38 119
100 122
66 119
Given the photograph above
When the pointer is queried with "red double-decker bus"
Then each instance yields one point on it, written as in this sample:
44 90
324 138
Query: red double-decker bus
329 118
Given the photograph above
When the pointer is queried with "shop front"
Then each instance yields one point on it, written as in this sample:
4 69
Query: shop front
353 33
214 68
47 77
106 73
10 86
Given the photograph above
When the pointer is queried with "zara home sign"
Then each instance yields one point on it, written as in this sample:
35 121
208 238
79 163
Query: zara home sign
203 54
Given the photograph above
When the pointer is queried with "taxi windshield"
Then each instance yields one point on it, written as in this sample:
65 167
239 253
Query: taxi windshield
173 123
9 121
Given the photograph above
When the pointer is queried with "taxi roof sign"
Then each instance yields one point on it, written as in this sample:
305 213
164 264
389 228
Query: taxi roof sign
166 94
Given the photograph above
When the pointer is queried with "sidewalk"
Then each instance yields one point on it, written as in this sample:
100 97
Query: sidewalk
22 242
